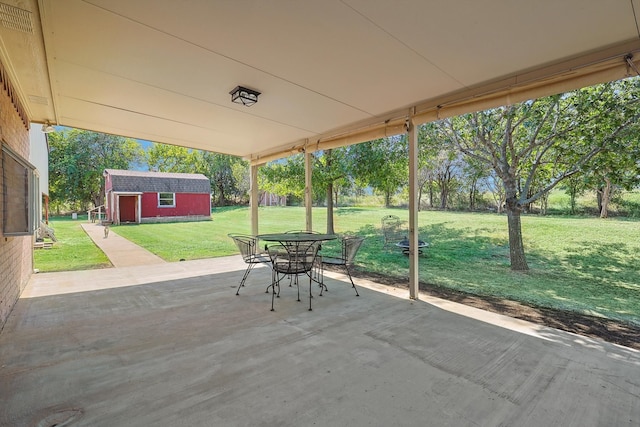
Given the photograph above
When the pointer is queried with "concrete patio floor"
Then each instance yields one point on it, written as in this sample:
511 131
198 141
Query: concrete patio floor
172 345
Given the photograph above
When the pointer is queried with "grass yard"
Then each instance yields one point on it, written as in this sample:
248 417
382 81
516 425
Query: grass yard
585 265
74 250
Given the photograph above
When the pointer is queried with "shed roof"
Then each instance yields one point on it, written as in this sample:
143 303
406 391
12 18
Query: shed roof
158 182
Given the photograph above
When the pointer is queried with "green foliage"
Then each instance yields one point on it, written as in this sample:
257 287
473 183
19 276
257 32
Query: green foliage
283 177
228 175
171 158
381 164
533 146
77 160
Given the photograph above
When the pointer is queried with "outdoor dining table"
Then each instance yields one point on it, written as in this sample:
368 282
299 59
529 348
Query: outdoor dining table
292 242
296 238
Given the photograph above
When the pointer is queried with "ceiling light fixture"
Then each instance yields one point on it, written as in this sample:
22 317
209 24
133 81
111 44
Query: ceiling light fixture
47 127
244 96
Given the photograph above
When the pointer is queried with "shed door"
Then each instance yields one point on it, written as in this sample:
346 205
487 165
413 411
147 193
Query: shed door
128 208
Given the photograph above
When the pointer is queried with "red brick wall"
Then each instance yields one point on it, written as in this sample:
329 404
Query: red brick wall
16 253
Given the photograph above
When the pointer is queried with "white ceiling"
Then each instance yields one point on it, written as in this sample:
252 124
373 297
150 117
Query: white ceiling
161 70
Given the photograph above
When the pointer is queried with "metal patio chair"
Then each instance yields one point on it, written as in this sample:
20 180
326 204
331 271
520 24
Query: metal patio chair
247 245
392 231
350 247
317 271
293 261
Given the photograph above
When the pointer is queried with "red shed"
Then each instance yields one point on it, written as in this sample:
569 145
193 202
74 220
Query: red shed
139 197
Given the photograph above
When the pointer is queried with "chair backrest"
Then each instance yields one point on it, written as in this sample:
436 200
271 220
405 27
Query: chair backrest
246 245
391 229
297 258
350 247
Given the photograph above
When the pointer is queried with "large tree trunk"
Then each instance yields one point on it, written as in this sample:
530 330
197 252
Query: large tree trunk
472 196
516 248
221 197
572 201
606 197
330 209
387 199
444 194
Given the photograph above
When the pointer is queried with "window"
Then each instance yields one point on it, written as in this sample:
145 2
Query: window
18 177
166 200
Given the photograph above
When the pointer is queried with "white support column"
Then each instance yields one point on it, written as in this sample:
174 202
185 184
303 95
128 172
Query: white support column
413 208
253 199
308 199
117 219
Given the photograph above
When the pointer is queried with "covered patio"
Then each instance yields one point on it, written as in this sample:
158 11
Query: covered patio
172 344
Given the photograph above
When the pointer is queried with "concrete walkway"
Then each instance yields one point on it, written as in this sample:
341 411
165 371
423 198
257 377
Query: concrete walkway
120 251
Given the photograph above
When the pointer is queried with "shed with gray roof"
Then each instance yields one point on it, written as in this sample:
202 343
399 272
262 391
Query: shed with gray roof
138 196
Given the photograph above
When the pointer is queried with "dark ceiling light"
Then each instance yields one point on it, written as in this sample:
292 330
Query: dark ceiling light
244 96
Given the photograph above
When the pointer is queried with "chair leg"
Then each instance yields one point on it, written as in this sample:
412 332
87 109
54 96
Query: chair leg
346 267
275 282
246 274
310 296
323 287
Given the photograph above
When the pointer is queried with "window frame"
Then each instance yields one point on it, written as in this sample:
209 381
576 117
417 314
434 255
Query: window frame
18 219
160 199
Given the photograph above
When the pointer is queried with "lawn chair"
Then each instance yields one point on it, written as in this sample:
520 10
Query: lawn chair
350 247
392 231
292 260
247 245
317 270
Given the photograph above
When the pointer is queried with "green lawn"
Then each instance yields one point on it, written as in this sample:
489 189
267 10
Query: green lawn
73 251
586 265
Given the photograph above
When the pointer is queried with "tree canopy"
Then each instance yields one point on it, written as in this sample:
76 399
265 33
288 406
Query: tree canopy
77 160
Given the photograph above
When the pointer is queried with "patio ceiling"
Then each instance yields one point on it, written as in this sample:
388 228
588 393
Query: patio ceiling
331 71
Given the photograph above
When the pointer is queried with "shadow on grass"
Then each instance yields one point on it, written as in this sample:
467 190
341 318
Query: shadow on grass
592 291
597 279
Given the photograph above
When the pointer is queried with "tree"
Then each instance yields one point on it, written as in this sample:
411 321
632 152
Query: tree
382 164
472 175
77 160
222 171
558 135
330 171
171 158
283 177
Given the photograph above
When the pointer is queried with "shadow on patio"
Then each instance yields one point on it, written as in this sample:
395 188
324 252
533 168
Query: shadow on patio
172 344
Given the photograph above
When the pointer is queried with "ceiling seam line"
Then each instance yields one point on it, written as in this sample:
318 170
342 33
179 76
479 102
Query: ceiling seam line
403 44
230 58
186 96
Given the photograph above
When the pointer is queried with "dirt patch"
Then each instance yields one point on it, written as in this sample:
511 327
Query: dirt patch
590 326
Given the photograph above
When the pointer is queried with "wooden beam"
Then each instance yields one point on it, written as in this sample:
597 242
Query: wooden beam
413 209
308 187
253 199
